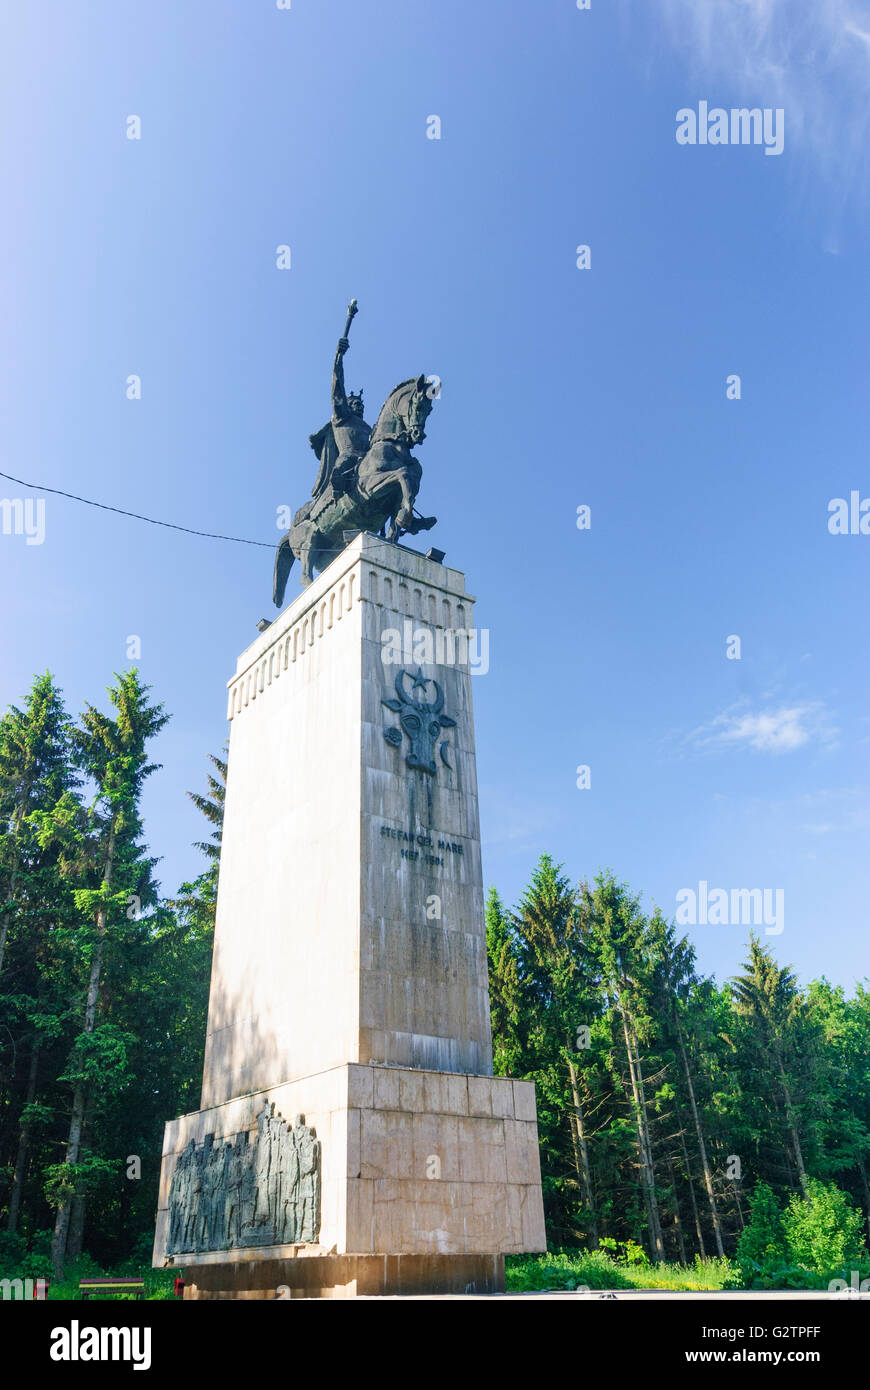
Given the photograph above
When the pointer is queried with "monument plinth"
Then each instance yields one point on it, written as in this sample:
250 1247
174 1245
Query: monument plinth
351 1136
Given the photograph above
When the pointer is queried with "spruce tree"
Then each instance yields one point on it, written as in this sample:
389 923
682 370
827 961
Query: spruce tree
36 773
506 1004
778 1041
116 883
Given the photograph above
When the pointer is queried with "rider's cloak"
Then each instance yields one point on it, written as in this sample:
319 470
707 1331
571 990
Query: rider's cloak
324 445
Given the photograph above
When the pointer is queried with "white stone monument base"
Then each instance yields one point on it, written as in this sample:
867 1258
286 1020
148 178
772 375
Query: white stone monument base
427 1180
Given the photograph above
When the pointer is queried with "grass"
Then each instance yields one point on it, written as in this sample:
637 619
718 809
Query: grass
595 1269
158 1285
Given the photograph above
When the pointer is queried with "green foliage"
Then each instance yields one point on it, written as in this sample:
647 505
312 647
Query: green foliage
825 1233
69 794
505 994
597 1269
63 1180
634 1254
648 1077
12 1250
761 1248
158 1282
17 1261
626 1251
212 807
804 1247
100 1056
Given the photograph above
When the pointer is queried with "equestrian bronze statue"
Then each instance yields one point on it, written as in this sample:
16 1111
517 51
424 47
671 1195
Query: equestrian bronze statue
368 479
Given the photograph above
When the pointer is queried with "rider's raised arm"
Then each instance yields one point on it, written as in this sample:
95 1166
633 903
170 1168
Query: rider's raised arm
339 397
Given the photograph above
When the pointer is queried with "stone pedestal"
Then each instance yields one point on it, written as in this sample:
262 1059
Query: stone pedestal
349 982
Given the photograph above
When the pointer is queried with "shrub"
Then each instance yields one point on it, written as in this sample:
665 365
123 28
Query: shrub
19 1262
761 1249
824 1234
138 1261
37 1262
12 1250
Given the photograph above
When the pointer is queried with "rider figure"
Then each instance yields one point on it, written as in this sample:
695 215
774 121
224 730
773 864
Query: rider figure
350 433
374 484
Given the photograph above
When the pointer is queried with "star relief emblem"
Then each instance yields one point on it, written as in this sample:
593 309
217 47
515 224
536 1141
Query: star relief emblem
421 720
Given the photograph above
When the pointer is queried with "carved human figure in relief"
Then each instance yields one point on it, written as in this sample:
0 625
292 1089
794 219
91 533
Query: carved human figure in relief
238 1155
180 1199
307 1213
245 1192
277 1144
262 1164
196 1196
289 1223
249 1187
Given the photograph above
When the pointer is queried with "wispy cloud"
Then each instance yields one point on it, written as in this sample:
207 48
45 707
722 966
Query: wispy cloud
811 57
776 729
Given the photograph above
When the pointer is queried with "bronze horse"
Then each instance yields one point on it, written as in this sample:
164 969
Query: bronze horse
380 498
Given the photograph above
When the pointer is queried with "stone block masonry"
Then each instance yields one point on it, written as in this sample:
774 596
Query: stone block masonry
349 980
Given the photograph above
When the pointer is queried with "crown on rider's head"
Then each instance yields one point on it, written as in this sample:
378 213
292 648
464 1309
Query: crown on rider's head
355 396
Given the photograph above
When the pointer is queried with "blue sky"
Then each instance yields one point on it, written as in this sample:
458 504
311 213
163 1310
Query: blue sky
561 387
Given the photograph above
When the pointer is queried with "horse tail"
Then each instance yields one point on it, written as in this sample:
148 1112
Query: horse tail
284 558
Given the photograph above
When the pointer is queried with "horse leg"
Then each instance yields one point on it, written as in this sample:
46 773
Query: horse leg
400 512
405 512
301 538
284 558
313 558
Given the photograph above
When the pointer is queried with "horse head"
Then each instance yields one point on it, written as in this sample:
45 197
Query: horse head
405 413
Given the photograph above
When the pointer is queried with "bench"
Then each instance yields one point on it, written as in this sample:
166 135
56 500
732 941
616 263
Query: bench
111 1285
